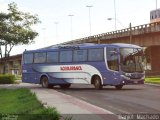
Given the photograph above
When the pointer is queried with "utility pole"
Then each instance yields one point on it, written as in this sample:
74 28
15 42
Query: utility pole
130 27
115 15
56 23
156 4
71 26
44 35
89 8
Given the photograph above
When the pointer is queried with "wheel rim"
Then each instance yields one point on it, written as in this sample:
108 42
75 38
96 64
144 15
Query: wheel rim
96 83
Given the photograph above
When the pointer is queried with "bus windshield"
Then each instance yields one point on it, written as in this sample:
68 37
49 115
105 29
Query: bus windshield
131 60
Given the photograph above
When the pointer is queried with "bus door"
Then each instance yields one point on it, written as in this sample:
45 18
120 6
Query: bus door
113 65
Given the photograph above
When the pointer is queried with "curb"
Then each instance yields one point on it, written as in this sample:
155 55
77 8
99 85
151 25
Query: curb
151 84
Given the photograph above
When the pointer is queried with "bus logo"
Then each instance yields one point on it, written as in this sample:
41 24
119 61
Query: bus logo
68 68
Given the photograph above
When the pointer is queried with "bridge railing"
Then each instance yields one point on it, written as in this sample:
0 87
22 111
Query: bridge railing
136 30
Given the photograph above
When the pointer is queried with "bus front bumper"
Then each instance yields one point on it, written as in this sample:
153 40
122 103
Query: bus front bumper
128 81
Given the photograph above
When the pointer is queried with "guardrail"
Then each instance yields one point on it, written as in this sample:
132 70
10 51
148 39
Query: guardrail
136 30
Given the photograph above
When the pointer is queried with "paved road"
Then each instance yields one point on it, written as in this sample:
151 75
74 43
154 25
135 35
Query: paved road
131 99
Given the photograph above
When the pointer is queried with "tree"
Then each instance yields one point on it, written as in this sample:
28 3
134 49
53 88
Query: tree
15 29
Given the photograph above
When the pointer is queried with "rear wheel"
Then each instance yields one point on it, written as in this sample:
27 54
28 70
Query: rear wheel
97 83
118 87
44 82
65 86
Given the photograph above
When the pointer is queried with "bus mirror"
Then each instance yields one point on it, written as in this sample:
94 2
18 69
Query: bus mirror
113 52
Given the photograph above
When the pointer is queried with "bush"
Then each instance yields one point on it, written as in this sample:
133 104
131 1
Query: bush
7 79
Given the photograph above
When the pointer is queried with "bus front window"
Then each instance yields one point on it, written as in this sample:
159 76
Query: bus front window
131 60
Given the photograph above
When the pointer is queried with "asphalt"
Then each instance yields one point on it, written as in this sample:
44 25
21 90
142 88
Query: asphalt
66 105
132 99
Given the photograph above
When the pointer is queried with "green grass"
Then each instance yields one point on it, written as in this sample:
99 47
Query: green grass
24 104
154 80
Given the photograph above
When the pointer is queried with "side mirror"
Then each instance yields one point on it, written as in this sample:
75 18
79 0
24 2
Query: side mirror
113 53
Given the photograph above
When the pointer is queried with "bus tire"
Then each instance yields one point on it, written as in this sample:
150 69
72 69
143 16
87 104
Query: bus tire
118 87
97 83
65 86
44 82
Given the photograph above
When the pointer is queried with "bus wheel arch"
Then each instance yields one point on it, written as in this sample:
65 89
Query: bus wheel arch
96 81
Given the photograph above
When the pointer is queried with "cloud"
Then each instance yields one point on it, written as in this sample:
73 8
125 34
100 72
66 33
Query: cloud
1 0
3 7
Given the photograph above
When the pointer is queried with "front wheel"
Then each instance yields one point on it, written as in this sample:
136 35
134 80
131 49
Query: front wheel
118 87
97 83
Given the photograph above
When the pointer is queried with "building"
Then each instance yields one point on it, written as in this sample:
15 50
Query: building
13 65
155 15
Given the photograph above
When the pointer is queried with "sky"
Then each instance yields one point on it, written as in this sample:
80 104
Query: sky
57 26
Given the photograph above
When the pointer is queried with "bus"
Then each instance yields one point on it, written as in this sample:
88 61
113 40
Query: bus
97 64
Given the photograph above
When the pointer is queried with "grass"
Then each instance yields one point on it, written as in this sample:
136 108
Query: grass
154 80
23 103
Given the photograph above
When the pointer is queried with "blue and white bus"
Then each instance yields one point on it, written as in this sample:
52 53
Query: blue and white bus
98 64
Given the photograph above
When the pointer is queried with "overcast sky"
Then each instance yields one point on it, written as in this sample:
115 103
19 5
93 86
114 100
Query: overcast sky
56 11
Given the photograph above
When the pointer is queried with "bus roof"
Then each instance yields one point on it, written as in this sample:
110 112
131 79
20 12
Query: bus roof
86 45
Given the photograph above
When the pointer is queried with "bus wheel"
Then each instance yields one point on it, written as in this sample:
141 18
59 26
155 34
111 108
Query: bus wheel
97 83
65 86
118 87
44 82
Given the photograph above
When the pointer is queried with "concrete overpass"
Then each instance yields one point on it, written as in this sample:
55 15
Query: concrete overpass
147 35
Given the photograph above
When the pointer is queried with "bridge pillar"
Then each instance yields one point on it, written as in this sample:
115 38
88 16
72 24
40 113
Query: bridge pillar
155 60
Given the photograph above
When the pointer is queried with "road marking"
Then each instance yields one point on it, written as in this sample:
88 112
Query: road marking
118 109
83 98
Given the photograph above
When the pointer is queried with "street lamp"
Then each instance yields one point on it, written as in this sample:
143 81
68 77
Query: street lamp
56 23
115 15
116 21
156 4
44 34
71 24
130 28
89 9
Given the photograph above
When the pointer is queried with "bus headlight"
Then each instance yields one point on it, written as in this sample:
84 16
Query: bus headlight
127 74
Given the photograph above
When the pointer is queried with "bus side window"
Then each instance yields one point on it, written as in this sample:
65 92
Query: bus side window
40 57
95 54
52 57
28 58
79 55
112 59
65 56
